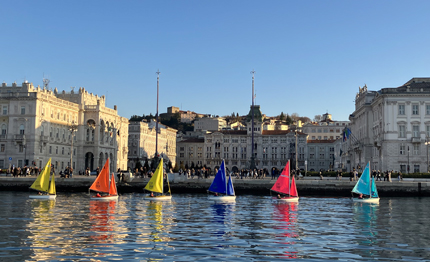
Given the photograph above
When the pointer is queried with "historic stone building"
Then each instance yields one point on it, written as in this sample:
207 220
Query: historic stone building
390 127
272 148
142 143
38 124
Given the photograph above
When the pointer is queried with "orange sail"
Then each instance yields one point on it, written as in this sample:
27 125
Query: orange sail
112 188
282 185
101 184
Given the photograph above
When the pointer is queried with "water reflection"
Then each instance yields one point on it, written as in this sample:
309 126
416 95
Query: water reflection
102 220
222 216
42 227
157 220
366 221
285 214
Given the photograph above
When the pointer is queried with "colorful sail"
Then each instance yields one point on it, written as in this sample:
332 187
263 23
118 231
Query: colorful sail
155 184
101 184
219 184
42 180
373 190
230 188
282 184
112 188
52 190
363 185
293 189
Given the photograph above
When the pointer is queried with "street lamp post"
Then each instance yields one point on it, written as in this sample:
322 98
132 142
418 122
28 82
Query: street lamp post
408 159
72 129
427 143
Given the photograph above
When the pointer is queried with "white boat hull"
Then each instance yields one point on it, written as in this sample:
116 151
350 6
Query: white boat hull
222 198
366 200
158 198
103 198
43 196
286 199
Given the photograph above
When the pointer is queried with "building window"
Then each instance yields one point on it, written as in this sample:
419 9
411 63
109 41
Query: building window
50 149
4 110
62 150
427 131
22 110
3 130
2 147
21 130
427 109
181 155
415 131
402 149
403 168
416 168
415 110
401 109
56 150
416 149
402 131
21 148
181 148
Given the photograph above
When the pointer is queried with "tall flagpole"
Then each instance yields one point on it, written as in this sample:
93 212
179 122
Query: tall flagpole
156 118
252 167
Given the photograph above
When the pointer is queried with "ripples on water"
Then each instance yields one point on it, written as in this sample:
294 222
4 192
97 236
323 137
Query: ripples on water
190 228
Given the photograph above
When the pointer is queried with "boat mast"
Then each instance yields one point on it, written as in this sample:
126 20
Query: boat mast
371 181
289 182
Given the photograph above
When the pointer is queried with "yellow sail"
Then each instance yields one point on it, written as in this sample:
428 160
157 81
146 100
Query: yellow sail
52 190
42 180
155 184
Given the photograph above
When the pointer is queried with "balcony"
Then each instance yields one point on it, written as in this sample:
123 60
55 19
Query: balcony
44 139
416 140
18 138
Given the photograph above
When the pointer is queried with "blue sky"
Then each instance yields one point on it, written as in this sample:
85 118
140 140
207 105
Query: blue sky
310 57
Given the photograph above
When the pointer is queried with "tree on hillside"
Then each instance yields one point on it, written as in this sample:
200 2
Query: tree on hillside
295 116
288 120
282 116
317 118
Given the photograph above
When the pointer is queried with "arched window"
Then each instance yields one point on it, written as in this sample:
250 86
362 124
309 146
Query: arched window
3 129
21 129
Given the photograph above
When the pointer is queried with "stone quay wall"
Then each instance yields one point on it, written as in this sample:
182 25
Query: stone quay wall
308 186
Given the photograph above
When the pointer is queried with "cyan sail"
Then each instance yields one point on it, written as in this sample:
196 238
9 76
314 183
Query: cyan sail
366 185
219 184
374 191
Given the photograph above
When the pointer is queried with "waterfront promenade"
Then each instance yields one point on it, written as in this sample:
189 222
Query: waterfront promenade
307 186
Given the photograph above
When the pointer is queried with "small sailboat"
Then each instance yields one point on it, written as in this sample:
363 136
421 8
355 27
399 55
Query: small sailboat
104 184
156 185
365 188
46 189
287 192
223 190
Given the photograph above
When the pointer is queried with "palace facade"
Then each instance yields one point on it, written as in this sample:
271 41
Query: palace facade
74 129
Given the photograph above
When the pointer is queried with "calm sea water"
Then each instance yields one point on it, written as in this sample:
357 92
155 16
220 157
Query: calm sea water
191 228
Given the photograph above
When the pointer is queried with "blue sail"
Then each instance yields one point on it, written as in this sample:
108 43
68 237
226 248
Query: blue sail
363 184
219 184
230 189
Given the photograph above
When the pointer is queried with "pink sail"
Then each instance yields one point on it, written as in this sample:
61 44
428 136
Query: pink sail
293 191
282 185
